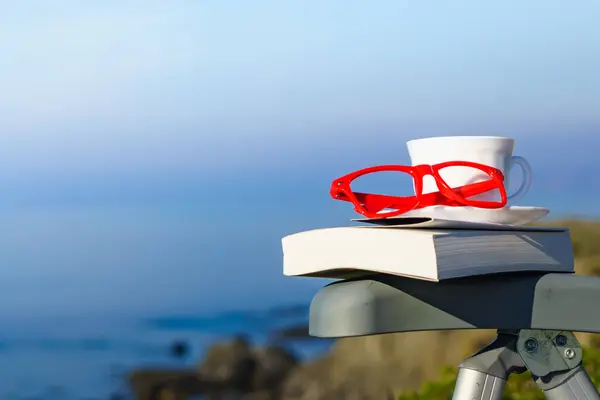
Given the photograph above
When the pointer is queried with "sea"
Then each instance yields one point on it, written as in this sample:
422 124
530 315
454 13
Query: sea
89 358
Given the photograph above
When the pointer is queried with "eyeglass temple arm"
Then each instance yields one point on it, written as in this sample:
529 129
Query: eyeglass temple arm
378 202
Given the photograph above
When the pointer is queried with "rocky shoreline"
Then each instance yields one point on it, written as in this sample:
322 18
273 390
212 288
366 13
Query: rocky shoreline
230 370
376 367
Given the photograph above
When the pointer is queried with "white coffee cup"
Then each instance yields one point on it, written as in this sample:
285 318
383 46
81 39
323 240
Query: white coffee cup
488 150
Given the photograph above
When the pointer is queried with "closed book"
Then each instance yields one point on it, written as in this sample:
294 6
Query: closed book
429 254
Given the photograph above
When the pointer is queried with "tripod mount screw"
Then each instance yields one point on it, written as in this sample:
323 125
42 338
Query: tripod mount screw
561 340
570 353
531 345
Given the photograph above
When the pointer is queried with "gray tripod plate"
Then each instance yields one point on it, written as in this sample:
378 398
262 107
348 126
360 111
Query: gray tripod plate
384 303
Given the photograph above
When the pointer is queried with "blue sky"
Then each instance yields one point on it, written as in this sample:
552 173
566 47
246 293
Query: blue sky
153 153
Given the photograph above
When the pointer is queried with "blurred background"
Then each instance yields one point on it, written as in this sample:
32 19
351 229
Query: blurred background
153 154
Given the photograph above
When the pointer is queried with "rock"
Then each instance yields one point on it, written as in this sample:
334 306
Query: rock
309 381
157 384
263 395
273 364
179 349
238 366
230 364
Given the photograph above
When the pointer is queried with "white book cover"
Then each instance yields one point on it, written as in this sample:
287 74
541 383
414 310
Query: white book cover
426 253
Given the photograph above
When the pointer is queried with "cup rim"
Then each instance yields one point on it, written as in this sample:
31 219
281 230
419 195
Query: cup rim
463 137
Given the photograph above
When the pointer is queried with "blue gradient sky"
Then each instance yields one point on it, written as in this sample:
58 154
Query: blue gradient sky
153 153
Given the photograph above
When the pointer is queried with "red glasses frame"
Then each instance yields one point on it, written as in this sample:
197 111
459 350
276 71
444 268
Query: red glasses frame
371 205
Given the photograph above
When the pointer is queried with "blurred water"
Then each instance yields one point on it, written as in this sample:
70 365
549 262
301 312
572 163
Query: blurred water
88 358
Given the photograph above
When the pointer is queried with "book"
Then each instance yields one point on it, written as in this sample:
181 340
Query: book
429 223
429 254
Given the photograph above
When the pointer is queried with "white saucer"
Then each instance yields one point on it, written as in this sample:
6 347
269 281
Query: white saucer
511 215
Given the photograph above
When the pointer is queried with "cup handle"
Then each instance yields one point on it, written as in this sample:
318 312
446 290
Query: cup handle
526 168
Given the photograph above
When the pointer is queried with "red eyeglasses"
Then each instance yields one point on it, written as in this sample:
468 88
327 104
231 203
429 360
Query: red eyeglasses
371 205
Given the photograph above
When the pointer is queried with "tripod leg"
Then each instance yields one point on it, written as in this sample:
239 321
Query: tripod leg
576 385
475 385
484 375
554 360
